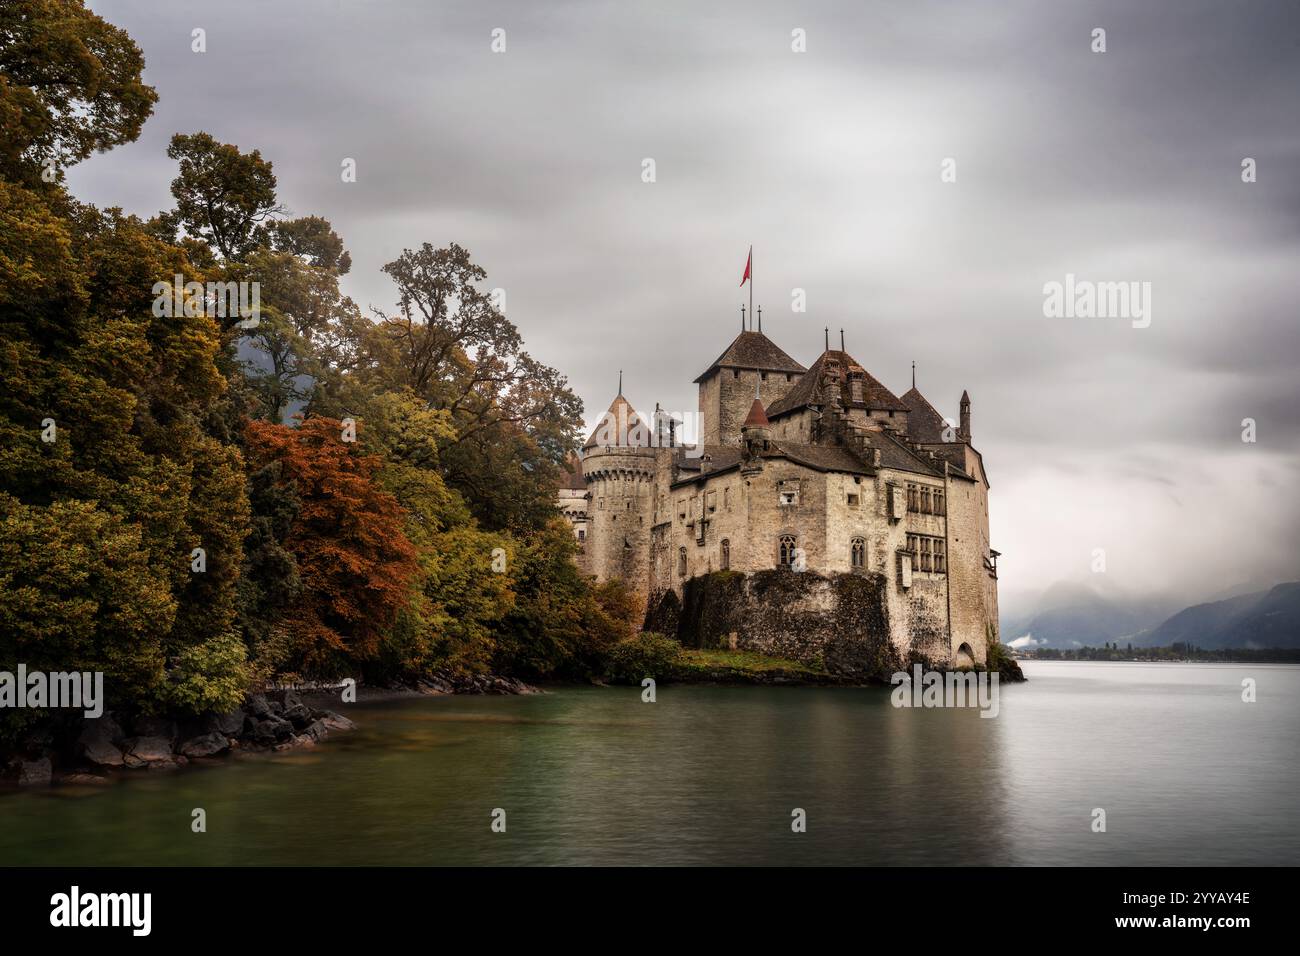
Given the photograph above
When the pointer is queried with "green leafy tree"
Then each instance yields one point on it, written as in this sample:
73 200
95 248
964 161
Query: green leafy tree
223 197
514 418
70 84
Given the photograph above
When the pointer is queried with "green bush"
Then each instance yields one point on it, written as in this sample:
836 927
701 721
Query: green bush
646 655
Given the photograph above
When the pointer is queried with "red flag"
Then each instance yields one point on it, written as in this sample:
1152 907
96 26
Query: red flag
748 262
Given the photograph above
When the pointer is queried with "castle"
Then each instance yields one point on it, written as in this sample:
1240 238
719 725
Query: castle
848 523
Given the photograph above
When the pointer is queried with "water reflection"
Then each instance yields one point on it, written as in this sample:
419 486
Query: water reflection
711 774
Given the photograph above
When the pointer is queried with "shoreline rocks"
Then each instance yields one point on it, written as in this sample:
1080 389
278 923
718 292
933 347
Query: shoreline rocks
92 751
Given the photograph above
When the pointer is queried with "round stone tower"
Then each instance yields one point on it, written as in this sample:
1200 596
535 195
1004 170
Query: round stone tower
618 463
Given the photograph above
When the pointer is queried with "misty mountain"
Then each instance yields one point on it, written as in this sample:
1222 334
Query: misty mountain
1263 619
1074 615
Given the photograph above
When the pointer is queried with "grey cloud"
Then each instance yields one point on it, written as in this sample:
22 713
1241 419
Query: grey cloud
1118 166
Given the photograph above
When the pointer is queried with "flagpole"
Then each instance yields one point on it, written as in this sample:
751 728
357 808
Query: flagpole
751 287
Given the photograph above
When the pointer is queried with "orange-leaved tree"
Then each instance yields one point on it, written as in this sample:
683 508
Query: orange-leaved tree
356 564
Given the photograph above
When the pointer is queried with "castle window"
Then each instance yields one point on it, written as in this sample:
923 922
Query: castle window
853 501
724 558
789 492
858 553
925 501
582 534
786 557
681 562
726 498
938 501
928 553
735 373
913 499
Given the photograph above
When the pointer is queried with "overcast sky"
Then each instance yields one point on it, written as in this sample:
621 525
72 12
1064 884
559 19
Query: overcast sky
1115 166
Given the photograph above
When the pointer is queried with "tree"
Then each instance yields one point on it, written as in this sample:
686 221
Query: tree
464 582
223 196
101 421
70 84
355 563
449 345
561 624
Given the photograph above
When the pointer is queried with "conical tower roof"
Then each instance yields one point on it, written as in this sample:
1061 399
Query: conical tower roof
621 425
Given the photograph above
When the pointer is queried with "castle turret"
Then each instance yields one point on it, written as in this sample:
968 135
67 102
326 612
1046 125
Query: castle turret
618 464
755 433
964 431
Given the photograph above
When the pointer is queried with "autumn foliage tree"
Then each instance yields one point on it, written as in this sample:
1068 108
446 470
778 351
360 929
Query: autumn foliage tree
354 560
162 522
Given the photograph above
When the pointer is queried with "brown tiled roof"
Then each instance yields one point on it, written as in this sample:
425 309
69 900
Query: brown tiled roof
622 421
808 390
757 418
753 350
720 457
824 457
953 452
571 474
924 423
896 455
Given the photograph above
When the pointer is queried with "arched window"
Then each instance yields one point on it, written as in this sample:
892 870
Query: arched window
787 550
681 562
858 553
724 561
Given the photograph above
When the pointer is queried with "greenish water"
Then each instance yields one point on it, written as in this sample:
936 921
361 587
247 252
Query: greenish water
1187 774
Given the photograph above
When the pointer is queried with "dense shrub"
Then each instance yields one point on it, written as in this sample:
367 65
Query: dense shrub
646 655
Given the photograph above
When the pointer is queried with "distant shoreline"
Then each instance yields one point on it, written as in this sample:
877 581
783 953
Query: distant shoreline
1098 655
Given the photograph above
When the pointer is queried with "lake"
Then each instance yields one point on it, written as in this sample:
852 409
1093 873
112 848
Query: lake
1186 772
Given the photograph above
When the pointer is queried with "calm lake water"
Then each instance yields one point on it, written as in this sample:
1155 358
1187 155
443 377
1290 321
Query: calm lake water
1187 774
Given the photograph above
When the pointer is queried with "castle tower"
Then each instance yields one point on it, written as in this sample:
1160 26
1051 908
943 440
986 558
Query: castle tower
618 464
727 386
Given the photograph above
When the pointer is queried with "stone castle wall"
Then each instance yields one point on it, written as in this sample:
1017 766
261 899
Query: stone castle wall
725 397
838 621
974 589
